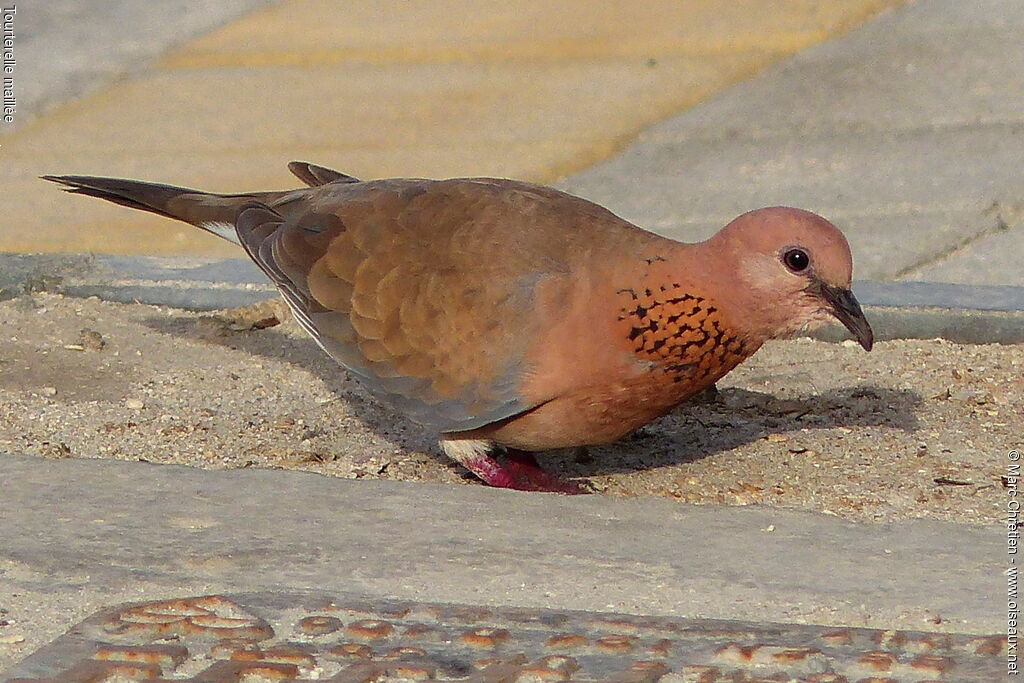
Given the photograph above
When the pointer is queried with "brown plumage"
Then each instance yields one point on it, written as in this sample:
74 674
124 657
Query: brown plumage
500 312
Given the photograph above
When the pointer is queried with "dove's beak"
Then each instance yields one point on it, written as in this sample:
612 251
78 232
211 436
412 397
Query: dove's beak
845 307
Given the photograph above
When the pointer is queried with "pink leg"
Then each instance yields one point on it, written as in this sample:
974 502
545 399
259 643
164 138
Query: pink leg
521 473
531 476
490 471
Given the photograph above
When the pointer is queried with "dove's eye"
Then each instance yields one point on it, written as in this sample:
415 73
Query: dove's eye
796 260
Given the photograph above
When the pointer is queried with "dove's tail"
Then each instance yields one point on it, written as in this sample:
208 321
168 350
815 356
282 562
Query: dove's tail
214 213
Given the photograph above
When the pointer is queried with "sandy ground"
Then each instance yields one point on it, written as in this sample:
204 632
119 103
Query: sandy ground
913 429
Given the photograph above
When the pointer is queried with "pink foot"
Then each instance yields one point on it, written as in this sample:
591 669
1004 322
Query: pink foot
521 471
524 469
520 476
490 472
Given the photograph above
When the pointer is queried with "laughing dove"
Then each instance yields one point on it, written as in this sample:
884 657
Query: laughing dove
501 313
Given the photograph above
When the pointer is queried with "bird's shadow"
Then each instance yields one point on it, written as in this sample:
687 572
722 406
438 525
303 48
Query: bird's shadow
301 352
725 420
734 417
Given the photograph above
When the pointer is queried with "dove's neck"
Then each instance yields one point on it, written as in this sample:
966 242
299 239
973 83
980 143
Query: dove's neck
671 311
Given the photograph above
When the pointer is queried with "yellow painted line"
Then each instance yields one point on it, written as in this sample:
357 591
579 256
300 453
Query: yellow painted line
304 32
553 51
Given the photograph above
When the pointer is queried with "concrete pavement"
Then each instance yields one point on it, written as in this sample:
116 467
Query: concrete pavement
907 132
80 534
100 41
528 89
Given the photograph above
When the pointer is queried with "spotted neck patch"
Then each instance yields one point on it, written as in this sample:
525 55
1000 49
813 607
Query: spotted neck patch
680 334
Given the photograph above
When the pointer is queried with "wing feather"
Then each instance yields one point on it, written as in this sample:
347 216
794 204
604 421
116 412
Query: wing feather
375 306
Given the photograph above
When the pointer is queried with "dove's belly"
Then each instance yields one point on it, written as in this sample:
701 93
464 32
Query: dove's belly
598 414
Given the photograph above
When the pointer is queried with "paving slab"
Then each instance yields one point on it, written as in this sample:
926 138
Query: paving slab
317 636
905 131
903 199
927 65
89 531
192 283
100 41
842 173
992 259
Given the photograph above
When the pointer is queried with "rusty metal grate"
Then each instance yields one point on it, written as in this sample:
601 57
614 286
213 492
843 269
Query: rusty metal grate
287 636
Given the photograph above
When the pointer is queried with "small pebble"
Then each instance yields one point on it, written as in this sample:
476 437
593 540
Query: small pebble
54 450
49 391
91 340
12 639
134 404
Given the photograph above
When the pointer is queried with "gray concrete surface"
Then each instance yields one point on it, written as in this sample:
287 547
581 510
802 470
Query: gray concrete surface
191 283
907 132
111 524
67 48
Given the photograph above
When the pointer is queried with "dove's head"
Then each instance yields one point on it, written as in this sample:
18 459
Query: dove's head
790 270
